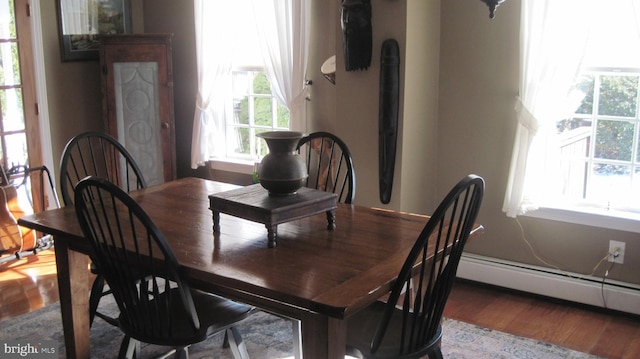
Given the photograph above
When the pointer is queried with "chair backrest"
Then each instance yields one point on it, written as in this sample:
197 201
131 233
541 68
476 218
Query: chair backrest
329 165
133 255
426 283
97 154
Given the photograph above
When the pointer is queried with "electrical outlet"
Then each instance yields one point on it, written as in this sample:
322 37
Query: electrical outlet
613 247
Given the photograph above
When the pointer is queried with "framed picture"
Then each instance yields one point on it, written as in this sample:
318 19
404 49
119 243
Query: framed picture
81 22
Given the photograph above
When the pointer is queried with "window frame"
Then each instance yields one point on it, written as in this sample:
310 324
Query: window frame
230 124
586 212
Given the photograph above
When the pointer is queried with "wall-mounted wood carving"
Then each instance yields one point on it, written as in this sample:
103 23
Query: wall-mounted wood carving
356 34
388 115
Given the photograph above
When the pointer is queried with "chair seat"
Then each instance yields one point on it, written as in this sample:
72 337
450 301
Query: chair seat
362 327
215 314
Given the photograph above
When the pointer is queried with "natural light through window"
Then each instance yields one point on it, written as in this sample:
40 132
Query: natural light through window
252 107
599 145
577 144
247 79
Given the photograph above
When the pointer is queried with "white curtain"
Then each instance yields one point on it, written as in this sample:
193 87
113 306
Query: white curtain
213 45
553 38
283 27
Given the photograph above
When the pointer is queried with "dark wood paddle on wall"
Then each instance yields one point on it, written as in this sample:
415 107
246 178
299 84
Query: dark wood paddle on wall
388 115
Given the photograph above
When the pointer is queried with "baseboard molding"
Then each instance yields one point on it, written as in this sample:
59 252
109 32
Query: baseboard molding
544 281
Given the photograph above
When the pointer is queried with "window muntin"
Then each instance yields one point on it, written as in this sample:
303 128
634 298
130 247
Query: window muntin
599 145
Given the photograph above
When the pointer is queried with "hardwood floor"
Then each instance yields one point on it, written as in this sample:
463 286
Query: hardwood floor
30 283
596 331
27 284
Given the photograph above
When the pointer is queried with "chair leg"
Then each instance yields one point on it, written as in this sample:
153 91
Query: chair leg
436 353
182 353
94 297
238 348
296 326
225 341
129 348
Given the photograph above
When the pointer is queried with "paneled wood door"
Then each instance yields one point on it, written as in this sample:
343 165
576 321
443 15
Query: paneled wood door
137 83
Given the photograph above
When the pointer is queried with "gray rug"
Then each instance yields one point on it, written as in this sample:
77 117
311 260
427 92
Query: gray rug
268 336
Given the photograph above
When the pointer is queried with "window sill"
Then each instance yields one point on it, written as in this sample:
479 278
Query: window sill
232 165
622 221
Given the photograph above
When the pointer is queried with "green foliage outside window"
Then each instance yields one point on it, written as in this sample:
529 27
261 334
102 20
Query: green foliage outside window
614 118
614 139
262 100
618 95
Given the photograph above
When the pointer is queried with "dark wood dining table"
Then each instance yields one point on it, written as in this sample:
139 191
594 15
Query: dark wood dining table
317 276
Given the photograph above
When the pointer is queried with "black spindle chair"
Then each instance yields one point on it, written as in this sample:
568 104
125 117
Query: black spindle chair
156 304
329 164
97 154
408 324
330 168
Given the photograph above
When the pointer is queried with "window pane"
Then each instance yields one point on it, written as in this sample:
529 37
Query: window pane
7 20
614 140
573 174
9 64
618 95
240 83
261 84
574 140
242 144
16 149
12 111
609 184
585 84
263 112
263 149
241 110
283 116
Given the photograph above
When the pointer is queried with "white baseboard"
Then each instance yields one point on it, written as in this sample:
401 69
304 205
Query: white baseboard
548 282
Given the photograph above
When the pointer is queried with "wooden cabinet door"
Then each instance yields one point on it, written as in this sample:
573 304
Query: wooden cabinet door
137 83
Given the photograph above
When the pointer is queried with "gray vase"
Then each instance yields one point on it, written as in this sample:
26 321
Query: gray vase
282 171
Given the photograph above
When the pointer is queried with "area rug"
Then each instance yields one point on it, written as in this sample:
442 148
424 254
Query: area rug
270 337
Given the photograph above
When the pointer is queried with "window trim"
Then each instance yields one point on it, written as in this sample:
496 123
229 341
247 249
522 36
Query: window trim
228 164
617 220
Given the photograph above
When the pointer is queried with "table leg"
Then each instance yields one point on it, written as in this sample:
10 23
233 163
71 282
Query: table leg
323 337
216 222
272 234
73 288
331 219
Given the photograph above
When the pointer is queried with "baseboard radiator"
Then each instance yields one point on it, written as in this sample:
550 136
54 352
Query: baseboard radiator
548 282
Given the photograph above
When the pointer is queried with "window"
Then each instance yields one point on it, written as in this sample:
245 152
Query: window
255 110
254 106
599 144
252 58
577 148
13 126
19 124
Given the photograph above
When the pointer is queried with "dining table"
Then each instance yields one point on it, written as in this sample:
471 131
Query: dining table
317 276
